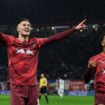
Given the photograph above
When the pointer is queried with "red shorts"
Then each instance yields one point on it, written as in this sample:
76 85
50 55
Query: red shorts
23 95
99 98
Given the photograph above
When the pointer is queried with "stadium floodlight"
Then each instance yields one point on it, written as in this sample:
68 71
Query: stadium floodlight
53 28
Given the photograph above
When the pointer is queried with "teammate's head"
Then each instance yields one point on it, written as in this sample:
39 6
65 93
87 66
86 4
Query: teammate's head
24 27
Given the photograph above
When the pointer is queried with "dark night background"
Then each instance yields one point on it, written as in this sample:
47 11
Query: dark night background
52 11
67 57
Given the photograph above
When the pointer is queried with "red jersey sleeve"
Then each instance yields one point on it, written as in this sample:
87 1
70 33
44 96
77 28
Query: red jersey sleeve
89 74
53 38
92 63
5 39
60 35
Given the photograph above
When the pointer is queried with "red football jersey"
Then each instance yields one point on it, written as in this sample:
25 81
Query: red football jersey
99 82
23 56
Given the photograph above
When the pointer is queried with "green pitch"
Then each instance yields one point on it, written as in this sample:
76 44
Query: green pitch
56 100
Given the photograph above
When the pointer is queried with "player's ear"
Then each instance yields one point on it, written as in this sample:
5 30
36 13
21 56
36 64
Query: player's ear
103 42
17 28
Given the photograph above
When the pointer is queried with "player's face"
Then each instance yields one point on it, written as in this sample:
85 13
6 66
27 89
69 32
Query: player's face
24 28
103 42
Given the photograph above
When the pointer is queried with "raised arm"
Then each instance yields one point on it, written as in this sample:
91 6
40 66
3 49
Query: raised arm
62 35
66 33
81 25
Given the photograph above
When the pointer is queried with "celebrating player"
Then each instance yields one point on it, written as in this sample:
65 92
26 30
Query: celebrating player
96 70
23 61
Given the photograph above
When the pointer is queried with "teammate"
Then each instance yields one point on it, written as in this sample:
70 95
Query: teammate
96 70
60 83
23 61
43 85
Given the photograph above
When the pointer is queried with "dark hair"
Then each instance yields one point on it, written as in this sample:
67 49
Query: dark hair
100 41
102 36
23 19
19 21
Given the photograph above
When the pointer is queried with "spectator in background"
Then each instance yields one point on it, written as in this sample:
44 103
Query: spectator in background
60 85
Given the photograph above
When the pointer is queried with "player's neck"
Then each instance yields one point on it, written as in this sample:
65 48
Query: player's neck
23 38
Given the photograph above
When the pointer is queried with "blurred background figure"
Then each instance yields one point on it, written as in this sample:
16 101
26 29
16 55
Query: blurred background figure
60 84
43 83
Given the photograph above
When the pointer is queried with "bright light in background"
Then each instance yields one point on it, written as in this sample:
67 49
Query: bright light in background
52 28
37 29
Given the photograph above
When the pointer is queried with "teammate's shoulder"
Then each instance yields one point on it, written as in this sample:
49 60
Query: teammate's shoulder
97 56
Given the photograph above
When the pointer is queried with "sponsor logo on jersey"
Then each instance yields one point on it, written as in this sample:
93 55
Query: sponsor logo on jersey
103 72
21 51
27 52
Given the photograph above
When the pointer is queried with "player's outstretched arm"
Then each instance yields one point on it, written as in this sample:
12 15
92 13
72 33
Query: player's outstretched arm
66 33
62 35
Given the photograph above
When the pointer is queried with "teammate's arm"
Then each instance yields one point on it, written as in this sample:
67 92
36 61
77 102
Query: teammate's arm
90 72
